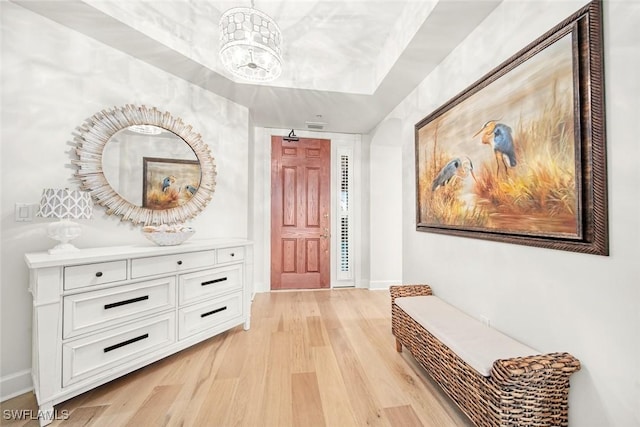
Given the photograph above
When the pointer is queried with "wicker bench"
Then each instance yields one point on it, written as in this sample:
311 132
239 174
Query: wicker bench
518 391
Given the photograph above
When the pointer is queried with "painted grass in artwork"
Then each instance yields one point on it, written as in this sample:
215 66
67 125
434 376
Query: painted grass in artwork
445 206
171 198
156 199
538 195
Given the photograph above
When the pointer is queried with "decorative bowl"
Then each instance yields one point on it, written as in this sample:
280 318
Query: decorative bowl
165 235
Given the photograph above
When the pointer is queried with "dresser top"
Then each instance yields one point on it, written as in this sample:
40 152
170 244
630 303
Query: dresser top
108 253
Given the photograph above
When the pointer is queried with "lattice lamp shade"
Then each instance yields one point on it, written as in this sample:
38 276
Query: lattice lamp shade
250 44
65 205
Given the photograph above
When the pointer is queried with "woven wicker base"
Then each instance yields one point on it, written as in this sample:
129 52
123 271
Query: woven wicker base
523 391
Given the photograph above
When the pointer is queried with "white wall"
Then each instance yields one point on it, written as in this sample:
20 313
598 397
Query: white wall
385 198
52 80
552 300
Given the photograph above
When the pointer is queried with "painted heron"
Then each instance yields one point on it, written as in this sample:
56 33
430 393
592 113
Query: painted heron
456 168
499 136
191 189
167 182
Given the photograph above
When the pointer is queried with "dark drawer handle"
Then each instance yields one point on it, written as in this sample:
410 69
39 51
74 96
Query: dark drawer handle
99 274
179 262
222 279
217 310
127 342
232 254
125 302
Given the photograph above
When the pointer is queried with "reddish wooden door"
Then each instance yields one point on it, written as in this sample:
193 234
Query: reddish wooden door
300 219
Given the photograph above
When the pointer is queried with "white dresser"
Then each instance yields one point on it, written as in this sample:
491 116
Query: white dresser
103 312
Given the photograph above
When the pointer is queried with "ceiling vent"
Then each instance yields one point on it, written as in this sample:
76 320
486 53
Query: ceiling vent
316 125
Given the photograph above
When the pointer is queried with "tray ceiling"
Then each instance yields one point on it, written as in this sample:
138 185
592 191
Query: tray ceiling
346 63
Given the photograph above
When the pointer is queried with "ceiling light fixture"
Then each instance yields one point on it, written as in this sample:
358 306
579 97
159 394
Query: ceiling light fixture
250 44
146 129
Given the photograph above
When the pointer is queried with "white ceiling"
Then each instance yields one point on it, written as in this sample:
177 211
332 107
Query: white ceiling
346 63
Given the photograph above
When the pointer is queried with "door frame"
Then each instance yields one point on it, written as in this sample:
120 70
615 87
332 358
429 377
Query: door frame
296 155
260 205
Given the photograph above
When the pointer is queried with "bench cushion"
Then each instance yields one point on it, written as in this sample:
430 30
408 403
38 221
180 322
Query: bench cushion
474 342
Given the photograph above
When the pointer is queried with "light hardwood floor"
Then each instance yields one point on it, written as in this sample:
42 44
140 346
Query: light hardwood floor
311 358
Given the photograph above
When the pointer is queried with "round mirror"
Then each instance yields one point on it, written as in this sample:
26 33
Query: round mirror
151 167
145 165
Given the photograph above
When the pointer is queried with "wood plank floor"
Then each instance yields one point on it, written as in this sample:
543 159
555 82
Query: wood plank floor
311 358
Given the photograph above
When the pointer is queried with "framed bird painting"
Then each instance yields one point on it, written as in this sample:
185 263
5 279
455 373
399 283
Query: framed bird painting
168 183
519 156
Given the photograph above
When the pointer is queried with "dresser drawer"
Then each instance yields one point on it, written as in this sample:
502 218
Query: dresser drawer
90 311
143 267
209 283
230 254
209 314
115 349
79 276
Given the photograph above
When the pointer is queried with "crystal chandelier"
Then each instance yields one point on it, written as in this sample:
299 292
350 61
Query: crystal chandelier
250 44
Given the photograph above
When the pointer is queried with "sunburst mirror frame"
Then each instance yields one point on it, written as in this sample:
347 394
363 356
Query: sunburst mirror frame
90 142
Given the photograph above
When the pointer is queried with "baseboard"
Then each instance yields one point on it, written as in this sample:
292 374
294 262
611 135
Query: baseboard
15 384
362 284
260 287
382 284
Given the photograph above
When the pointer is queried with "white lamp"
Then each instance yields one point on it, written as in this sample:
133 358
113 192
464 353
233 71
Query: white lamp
250 44
65 205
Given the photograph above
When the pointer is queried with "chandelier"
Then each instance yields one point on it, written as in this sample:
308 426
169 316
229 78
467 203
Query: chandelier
146 129
250 44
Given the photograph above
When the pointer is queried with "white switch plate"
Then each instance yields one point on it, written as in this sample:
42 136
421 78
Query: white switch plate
25 212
